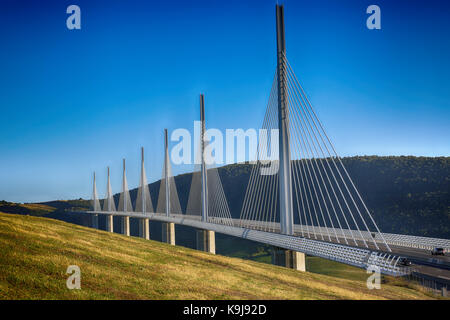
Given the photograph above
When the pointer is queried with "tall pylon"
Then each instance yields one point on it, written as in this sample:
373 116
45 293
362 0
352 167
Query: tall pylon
109 204
125 203
206 196
168 202
143 200
124 200
285 184
203 163
95 201
166 171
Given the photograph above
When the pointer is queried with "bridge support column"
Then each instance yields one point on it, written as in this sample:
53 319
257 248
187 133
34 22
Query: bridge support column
168 232
109 223
126 226
144 228
206 241
289 259
284 173
94 222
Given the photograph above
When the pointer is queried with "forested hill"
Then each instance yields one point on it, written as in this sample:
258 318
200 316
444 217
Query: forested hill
407 195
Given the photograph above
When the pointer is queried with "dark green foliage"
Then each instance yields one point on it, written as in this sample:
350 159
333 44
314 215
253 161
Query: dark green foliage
406 195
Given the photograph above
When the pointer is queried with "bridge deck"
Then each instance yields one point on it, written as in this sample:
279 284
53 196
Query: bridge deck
358 257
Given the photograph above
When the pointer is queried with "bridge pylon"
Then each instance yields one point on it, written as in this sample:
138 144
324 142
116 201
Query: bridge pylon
287 258
109 205
203 164
124 202
144 226
168 228
285 175
206 239
166 171
95 206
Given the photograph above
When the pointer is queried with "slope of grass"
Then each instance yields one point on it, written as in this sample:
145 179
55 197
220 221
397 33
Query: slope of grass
35 253
313 264
336 269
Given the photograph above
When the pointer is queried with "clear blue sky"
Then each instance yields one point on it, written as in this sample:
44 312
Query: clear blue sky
73 102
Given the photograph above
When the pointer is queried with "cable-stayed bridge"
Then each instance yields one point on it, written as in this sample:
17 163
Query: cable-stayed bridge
302 201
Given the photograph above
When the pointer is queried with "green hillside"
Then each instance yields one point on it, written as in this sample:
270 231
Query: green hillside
35 253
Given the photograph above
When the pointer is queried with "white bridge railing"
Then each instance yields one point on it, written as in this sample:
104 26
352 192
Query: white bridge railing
358 257
317 233
401 240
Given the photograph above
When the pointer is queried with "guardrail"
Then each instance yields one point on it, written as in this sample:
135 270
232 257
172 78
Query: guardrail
425 243
358 257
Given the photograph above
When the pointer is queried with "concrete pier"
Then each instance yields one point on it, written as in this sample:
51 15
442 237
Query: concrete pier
109 223
168 232
144 228
126 226
94 221
289 259
206 241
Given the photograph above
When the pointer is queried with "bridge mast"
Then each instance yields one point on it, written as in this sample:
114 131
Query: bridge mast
144 227
166 171
286 211
124 188
206 239
203 169
125 219
96 205
109 194
142 181
109 217
94 196
168 228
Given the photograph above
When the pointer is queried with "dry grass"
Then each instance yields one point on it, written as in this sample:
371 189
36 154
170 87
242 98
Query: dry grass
35 253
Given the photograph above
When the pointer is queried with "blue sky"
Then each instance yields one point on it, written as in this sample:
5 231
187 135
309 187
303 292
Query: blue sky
74 101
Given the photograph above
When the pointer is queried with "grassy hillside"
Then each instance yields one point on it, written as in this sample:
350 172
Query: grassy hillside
35 253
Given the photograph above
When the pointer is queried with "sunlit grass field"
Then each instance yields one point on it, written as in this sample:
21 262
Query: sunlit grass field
35 253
